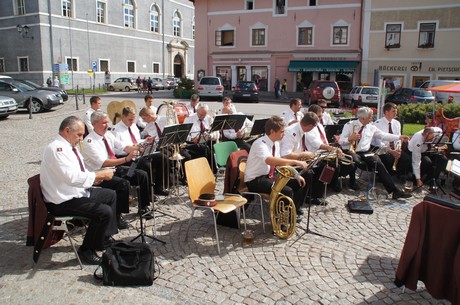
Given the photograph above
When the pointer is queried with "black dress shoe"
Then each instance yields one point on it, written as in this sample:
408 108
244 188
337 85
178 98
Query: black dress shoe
89 257
108 242
162 192
337 187
315 201
354 186
399 194
300 212
298 219
122 223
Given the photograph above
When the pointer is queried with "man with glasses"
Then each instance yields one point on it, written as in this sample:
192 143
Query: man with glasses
359 133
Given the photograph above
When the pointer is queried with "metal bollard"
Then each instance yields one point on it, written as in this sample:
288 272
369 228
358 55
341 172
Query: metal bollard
84 98
76 98
30 107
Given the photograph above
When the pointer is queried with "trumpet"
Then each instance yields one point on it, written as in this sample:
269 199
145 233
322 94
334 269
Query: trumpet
397 148
353 144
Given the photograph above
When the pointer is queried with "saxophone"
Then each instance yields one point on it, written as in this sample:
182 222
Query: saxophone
282 208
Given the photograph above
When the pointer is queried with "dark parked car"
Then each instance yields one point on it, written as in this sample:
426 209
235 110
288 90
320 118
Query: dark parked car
62 92
410 96
246 91
41 99
317 90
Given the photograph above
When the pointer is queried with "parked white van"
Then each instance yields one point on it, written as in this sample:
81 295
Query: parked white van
442 97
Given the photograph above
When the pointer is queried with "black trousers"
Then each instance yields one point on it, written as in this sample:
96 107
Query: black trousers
100 207
121 187
140 178
292 189
198 150
431 166
159 163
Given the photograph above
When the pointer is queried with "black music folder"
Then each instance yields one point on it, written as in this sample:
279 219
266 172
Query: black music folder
228 121
333 130
259 127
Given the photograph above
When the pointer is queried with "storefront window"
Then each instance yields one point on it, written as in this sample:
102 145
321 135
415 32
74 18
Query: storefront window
393 82
225 73
345 81
260 76
303 80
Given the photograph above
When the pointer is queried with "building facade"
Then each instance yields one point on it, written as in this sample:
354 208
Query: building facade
296 40
86 42
408 42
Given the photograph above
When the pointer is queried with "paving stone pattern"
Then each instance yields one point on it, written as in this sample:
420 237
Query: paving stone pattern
354 263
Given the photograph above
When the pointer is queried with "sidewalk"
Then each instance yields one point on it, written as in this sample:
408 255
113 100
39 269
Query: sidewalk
357 266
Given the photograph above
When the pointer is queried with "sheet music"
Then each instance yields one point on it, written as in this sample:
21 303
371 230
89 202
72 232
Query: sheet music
453 166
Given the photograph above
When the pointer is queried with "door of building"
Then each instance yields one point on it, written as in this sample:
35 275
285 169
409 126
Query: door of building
417 81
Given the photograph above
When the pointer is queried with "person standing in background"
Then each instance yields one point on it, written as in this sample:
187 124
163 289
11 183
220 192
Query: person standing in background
284 89
277 88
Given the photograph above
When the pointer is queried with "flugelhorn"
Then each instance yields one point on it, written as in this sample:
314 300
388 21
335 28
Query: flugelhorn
397 148
353 144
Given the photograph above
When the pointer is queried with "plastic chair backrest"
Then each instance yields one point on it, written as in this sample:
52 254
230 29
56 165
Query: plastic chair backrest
223 150
200 179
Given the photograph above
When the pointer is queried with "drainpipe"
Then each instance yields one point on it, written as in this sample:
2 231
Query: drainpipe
51 34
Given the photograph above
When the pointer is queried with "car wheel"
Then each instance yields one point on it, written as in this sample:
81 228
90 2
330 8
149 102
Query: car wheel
36 106
127 89
111 88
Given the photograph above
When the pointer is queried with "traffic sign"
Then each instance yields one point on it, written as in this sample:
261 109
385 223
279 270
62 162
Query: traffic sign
94 66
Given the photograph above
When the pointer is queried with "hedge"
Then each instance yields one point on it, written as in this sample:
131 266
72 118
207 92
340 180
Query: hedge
416 113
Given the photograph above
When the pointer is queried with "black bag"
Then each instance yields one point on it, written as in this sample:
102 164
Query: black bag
360 207
127 264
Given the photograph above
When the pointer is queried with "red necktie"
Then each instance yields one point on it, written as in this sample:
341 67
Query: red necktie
271 173
133 138
109 150
79 160
158 129
194 110
390 130
304 147
202 128
360 132
323 138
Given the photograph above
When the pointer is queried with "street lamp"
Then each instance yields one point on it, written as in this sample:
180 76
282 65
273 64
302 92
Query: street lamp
23 30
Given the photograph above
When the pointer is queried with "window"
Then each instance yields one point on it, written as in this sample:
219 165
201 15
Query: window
193 27
156 67
312 3
2 65
177 24
19 7
305 36
154 19
72 63
393 36
101 11
67 8
128 11
259 75
225 38
249 4
280 7
258 37
23 64
131 66
104 64
340 35
426 35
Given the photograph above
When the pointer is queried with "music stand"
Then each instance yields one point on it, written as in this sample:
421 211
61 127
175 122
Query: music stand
259 127
175 135
142 234
332 131
343 121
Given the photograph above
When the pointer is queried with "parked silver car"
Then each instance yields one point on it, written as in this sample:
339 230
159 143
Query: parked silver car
7 106
41 99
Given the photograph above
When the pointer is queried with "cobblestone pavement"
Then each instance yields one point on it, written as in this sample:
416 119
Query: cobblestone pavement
354 264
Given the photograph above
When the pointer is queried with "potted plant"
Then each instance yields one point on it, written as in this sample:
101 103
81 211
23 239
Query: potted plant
185 88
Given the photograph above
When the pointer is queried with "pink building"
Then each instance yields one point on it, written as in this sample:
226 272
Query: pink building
297 40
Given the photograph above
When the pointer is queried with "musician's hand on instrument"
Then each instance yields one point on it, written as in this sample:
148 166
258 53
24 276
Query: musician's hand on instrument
395 153
104 174
419 182
307 155
354 137
239 134
340 153
133 154
149 139
195 140
301 164
301 181
404 138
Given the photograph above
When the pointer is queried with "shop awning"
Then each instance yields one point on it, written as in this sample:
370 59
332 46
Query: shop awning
322 66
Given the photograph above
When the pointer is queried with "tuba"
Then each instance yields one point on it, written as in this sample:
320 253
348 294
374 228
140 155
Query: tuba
282 208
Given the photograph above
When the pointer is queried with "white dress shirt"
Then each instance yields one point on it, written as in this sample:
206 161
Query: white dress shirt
95 152
261 149
87 119
190 109
292 140
289 116
418 146
383 125
219 111
456 140
231 134
151 129
140 121
327 120
122 133
61 178
369 131
196 128
313 139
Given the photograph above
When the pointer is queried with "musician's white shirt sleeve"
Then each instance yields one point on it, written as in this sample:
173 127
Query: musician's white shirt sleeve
346 132
261 149
196 127
382 124
456 140
313 140
87 119
292 140
327 120
61 178
121 132
94 151
140 122
417 147
289 116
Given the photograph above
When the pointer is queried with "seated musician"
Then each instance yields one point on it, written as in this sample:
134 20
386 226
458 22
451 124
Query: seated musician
192 106
128 134
148 99
359 134
236 135
67 190
389 124
316 142
264 156
425 165
154 124
326 118
294 114
95 104
99 148
200 139
227 106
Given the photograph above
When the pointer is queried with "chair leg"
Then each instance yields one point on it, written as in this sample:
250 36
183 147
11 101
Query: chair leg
215 229
66 229
189 223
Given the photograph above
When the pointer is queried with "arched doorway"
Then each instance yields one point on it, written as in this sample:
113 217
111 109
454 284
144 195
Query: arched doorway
178 66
